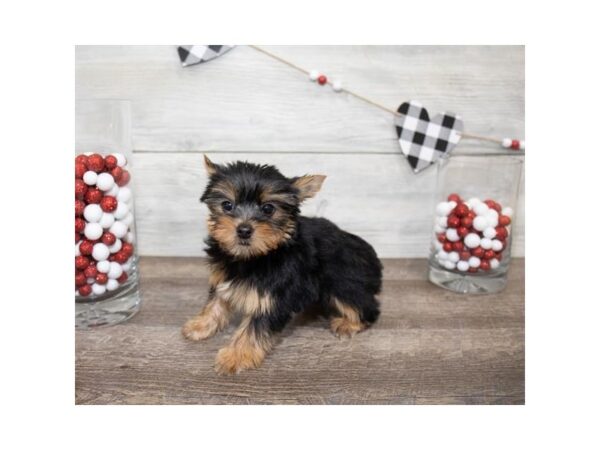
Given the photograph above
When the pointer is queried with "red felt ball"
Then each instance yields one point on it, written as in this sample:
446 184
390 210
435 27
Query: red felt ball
123 277
465 255
478 251
80 169
90 271
93 195
80 189
504 221
489 254
108 238
462 231
466 222
110 162
79 225
86 247
448 247
458 246
484 264
79 207
117 173
121 257
81 262
101 278
95 162
322 79
453 221
85 290
127 248
501 233
80 278
124 179
81 159
108 203
454 198
461 210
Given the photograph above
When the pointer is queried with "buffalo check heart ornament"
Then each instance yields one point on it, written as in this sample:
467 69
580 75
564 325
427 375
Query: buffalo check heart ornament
422 140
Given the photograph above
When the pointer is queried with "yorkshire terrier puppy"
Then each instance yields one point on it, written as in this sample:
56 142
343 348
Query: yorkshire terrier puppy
268 262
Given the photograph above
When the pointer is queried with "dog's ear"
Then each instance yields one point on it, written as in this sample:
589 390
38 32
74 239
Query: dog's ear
308 185
211 167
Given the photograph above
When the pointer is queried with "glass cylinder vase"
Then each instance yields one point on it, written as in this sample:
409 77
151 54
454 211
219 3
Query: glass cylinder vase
106 269
476 199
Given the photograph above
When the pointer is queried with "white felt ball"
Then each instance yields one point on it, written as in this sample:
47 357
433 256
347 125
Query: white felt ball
489 232
107 220
112 284
486 243
442 221
77 252
113 191
98 289
442 209
438 229
442 255
472 240
452 235
474 261
481 209
92 212
452 204
92 231
337 86
313 75
121 211
508 211
90 177
121 160
472 202
103 266
124 194
506 142
119 229
115 270
100 252
494 263
449 265
453 256
480 223
492 217
105 181
128 219
463 266
129 238
116 246
497 245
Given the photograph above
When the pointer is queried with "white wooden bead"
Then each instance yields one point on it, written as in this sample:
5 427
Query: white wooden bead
437 245
105 181
98 289
107 220
449 265
90 177
100 252
472 202
481 209
443 209
92 213
442 255
77 252
438 229
489 232
480 223
115 270
119 229
121 211
112 284
129 238
486 243
452 204
443 221
472 240
90 280
103 266
494 263
124 194
93 231
313 75
497 245
454 257
113 191
452 235
128 219
463 266
337 86
121 160
116 246
474 261
506 142
521 145
127 265
492 217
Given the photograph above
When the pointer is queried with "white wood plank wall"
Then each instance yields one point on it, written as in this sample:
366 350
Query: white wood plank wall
247 106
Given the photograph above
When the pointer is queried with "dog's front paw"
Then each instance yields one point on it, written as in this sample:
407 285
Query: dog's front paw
231 360
198 328
343 327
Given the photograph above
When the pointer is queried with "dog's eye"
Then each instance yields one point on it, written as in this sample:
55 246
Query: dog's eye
267 209
227 206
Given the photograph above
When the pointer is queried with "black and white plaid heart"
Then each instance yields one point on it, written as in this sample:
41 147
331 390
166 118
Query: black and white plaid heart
196 54
424 141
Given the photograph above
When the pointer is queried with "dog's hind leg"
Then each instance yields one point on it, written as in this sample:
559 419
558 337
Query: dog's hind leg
349 319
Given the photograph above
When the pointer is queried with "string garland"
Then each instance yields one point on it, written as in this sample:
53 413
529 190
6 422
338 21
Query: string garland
509 143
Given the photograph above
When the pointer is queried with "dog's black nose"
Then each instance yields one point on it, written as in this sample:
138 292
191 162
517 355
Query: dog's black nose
244 231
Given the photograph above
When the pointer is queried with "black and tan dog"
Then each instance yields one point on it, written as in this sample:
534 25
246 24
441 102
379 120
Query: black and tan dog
268 262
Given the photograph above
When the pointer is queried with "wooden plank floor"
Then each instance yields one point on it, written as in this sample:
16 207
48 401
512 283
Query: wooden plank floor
430 346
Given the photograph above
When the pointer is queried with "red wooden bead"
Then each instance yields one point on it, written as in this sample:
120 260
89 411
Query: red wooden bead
490 203
81 262
466 222
498 256
90 271
489 254
110 162
515 144
79 207
501 233
77 237
123 278
473 269
80 278
484 265
85 290
117 173
80 169
80 189
124 179
79 225
471 215
108 203
453 221
454 198
504 221
478 251
462 231
86 247
461 210
81 159
498 207
101 278
441 237
322 79
93 195
458 246
448 247
465 255
120 257
95 162
108 238
127 248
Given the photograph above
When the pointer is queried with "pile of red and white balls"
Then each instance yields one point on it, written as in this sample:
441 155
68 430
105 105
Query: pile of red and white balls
103 223
471 235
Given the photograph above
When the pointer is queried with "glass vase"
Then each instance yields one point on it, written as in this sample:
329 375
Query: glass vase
476 199
106 262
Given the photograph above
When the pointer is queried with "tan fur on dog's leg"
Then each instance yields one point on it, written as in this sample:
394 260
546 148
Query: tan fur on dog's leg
213 318
349 323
